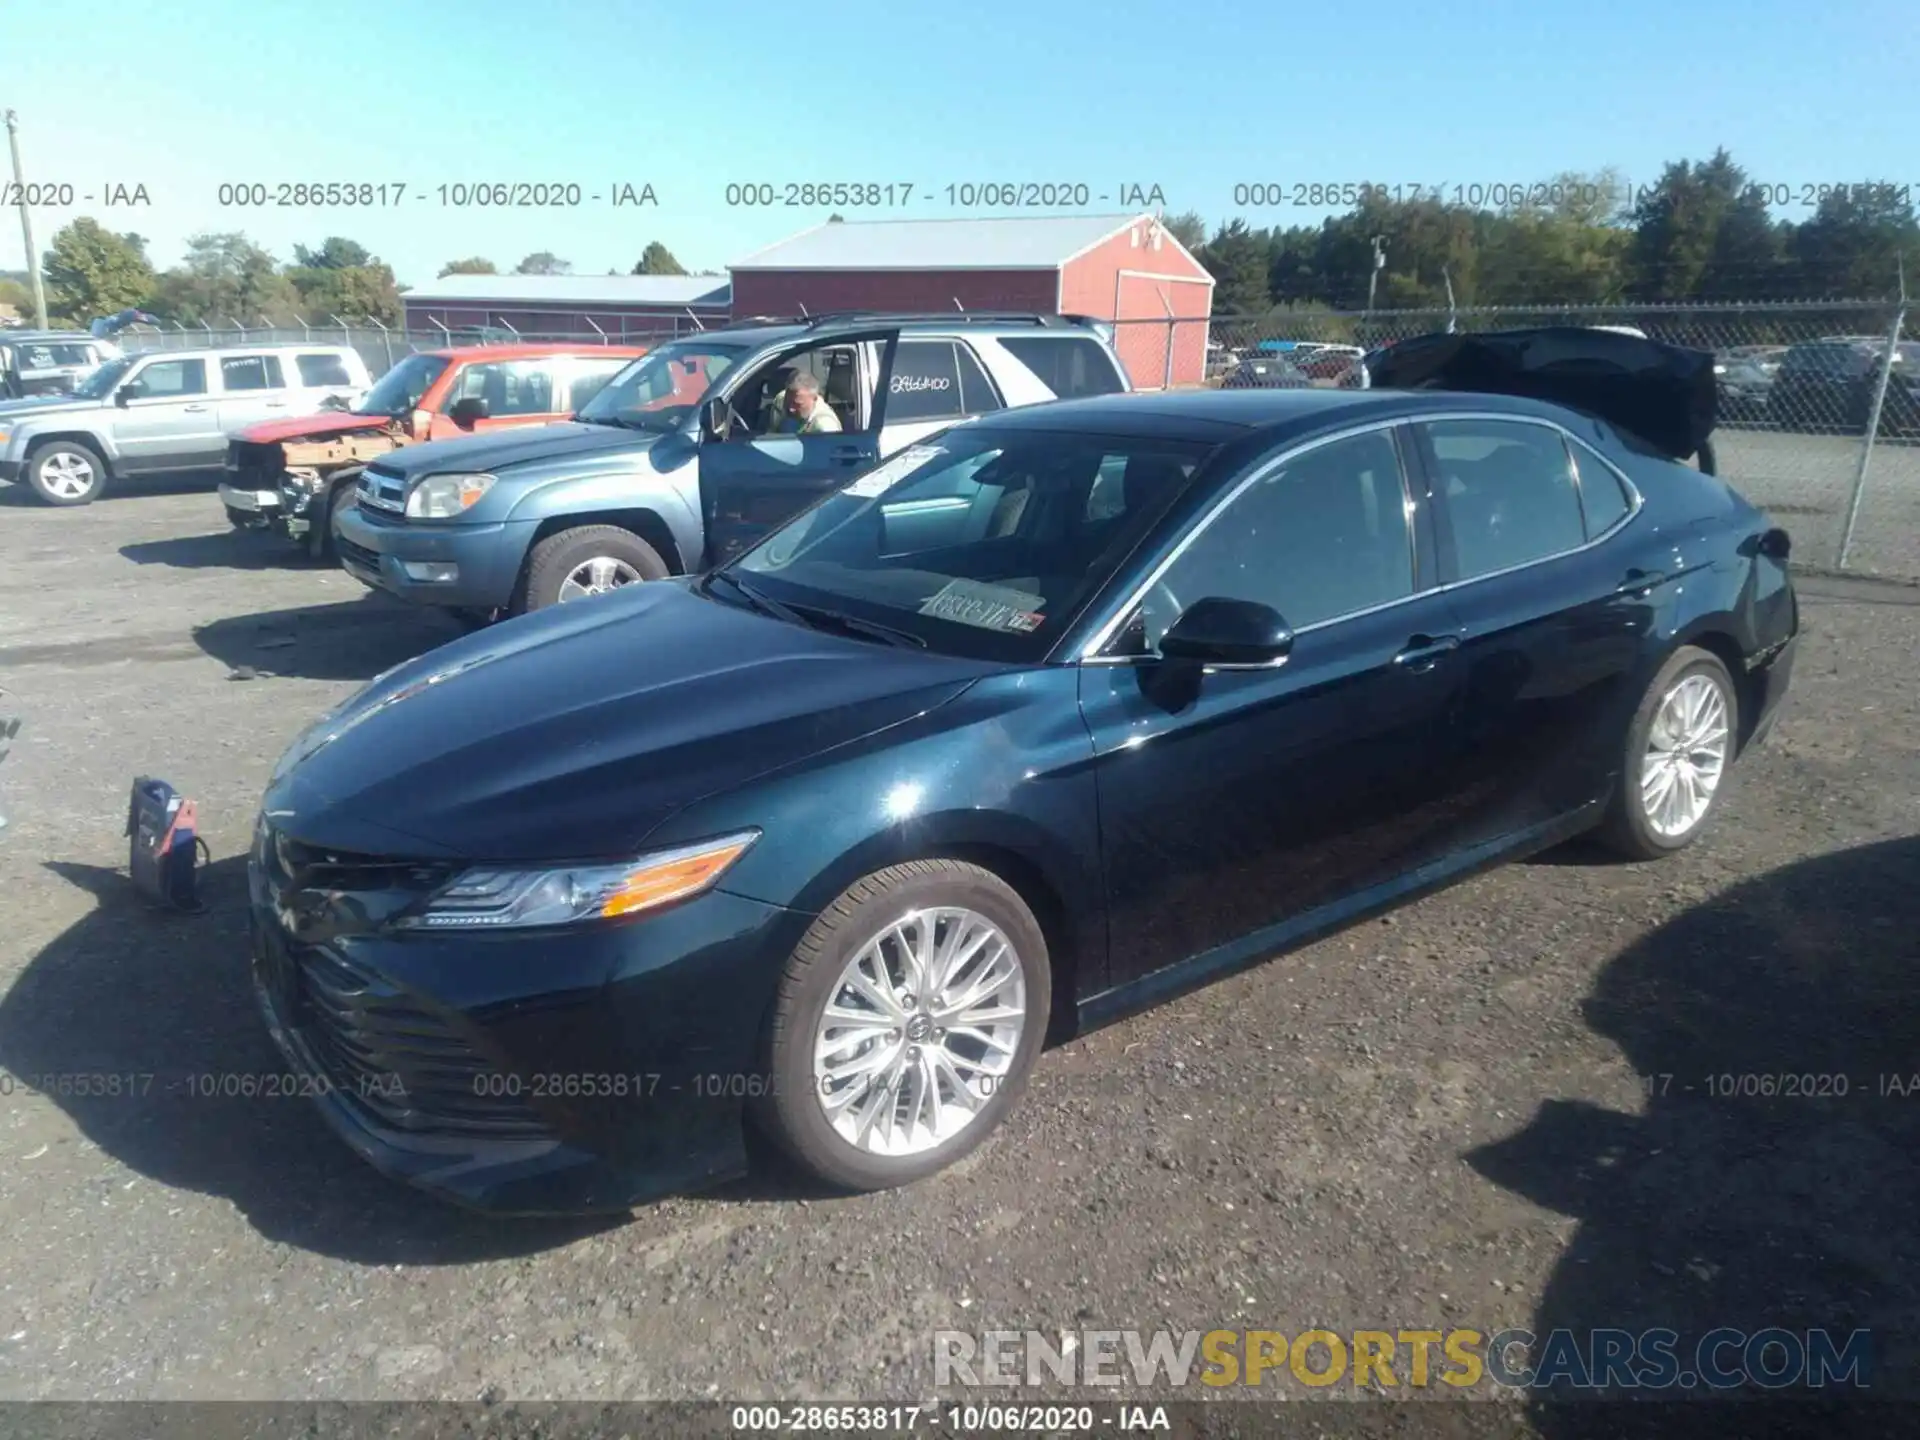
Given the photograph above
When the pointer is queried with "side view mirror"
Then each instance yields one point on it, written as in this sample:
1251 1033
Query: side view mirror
1216 631
128 393
467 410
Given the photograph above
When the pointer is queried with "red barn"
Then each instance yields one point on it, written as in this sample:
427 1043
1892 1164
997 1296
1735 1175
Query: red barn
1125 268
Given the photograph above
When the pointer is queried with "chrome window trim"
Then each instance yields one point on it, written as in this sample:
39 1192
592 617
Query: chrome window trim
1089 652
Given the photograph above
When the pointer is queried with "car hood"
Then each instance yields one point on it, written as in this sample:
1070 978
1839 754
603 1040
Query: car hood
29 406
1665 394
321 422
573 732
519 446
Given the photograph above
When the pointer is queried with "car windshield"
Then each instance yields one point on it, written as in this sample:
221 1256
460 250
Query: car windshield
660 390
975 543
399 390
101 381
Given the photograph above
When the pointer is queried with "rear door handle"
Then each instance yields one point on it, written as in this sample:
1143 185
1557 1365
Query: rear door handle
192 409
850 455
1640 582
1423 652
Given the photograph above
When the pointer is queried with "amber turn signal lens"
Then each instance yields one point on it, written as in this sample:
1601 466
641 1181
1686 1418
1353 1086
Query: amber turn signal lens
665 881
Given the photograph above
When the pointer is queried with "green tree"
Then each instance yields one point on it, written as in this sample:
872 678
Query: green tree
224 277
1237 260
1188 228
1677 251
90 271
472 265
543 262
335 253
656 259
348 291
16 296
1855 244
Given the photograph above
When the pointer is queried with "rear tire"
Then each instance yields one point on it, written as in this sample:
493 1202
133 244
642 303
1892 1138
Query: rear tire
66 472
1679 750
574 564
864 931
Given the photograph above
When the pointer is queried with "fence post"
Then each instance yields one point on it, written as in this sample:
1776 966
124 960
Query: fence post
386 340
1873 425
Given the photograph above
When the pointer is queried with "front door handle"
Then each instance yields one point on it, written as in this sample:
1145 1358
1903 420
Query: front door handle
1423 652
192 409
850 455
1640 582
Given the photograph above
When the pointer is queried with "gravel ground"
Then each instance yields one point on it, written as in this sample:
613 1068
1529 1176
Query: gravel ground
1492 1108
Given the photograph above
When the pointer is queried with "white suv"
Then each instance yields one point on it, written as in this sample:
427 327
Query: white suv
165 411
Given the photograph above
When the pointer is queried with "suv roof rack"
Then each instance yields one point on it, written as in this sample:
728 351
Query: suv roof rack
947 317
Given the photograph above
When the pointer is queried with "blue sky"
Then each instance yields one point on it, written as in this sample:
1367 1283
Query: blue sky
1195 96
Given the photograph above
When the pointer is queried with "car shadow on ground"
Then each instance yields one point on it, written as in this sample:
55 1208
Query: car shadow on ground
353 640
228 549
187 482
129 991
1772 1174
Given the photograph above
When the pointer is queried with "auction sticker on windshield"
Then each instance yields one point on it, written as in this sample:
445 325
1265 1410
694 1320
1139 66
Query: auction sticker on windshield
991 607
884 476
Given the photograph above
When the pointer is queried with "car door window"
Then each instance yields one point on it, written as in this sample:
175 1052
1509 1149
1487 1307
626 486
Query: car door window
761 400
1509 489
1068 365
317 372
172 379
250 372
510 387
925 384
1326 534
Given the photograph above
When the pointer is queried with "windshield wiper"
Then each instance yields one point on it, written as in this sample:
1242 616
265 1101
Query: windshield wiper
757 601
815 617
872 629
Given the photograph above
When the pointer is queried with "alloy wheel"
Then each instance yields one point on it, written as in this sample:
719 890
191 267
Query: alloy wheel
596 577
920 1031
1687 747
66 474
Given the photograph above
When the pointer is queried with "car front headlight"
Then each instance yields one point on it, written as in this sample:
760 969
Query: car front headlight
513 897
442 497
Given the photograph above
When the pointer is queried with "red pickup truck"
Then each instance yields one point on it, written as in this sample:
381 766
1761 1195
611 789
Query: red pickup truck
286 474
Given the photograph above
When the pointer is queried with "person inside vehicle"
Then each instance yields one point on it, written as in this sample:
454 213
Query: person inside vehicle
807 410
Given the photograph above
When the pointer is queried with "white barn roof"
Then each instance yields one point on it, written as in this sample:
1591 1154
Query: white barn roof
574 291
1006 243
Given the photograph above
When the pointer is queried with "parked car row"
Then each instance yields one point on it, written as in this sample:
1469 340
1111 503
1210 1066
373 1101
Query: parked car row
49 362
1035 714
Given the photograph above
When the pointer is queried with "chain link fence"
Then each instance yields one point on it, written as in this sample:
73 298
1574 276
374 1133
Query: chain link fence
1819 404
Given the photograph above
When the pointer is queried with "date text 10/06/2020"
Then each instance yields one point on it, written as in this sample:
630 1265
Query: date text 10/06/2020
1580 194
1783 1085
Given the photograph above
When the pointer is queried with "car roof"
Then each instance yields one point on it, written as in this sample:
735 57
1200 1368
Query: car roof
318 347
533 351
775 330
1221 416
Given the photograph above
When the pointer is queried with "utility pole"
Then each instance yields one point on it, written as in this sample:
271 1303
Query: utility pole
1379 264
26 225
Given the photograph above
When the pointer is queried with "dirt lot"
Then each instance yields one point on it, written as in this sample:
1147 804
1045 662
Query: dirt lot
1494 1108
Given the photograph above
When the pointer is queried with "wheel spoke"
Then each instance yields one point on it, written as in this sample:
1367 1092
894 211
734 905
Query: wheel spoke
893 1074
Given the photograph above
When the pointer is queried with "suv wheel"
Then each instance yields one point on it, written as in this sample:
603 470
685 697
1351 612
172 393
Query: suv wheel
578 564
65 472
906 1024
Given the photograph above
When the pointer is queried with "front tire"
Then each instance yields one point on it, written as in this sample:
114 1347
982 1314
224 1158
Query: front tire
907 1022
579 563
66 472
1679 749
